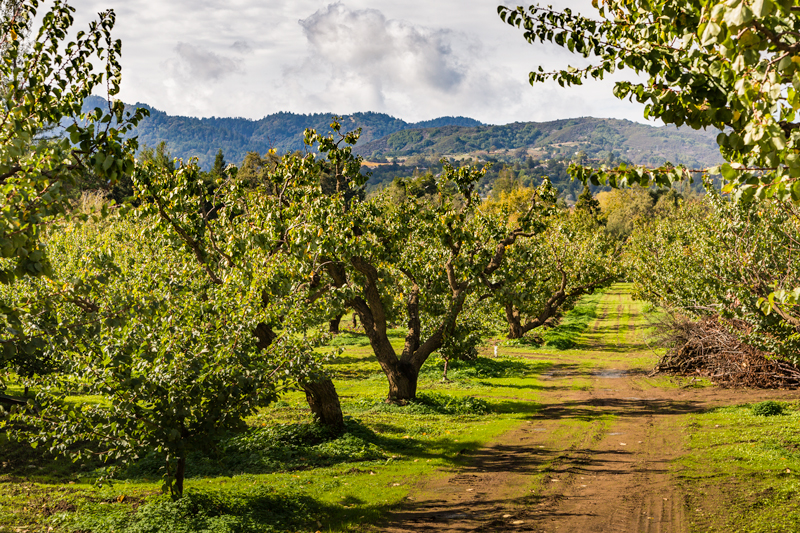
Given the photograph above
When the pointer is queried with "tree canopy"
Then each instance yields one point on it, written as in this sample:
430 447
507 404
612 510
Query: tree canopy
729 65
44 83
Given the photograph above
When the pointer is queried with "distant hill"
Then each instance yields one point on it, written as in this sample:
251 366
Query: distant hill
203 137
420 145
598 138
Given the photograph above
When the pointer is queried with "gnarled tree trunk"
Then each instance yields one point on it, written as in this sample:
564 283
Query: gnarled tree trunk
515 329
402 383
334 324
324 403
320 394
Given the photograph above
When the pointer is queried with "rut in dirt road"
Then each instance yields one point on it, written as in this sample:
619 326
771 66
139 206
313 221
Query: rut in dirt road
597 459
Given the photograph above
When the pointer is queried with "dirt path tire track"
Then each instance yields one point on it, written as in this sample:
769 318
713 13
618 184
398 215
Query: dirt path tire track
589 461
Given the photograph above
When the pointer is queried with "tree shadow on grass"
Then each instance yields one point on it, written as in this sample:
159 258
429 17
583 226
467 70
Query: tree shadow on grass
294 447
243 508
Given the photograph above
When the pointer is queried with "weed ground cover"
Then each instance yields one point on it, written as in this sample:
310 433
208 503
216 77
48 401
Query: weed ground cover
286 474
743 470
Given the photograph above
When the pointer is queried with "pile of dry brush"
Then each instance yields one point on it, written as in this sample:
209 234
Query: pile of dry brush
710 348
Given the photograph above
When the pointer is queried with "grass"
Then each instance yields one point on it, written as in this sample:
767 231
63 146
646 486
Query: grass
743 470
286 475
567 333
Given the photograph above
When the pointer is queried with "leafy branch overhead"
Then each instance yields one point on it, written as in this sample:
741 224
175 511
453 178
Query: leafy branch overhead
43 82
731 66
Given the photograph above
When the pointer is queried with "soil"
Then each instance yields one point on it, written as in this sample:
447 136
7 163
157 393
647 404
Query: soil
595 458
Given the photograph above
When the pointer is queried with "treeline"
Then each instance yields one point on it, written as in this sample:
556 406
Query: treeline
597 138
501 172
202 137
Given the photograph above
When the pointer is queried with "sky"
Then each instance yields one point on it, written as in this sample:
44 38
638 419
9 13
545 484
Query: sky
413 59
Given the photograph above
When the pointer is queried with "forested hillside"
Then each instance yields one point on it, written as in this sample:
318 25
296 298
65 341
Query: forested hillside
203 137
384 136
598 138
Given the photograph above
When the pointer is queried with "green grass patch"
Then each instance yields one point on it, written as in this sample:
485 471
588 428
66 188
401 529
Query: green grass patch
573 324
743 472
285 473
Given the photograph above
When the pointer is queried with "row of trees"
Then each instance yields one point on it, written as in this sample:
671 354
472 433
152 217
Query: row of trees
731 66
202 300
735 261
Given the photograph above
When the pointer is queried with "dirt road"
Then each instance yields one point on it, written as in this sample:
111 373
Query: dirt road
598 457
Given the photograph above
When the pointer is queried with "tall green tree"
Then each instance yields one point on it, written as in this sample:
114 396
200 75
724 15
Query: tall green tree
409 258
218 169
44 83
587 202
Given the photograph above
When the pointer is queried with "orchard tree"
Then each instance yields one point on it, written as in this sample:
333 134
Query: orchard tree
171 353
240 229
410 258
545 274
43 83
728 65
724 259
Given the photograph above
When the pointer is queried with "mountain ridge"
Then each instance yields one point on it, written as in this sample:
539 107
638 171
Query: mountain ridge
384 136
203 137
598 138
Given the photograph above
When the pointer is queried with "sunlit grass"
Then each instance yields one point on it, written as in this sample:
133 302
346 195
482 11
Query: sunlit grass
336 484
743 470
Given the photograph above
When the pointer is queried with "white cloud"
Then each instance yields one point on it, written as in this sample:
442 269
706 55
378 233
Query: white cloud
415 59
242 47
358 59
382 51
194 63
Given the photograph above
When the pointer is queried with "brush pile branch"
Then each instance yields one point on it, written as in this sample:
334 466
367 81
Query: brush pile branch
711 348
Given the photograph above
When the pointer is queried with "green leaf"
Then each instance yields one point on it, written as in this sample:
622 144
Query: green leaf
762 8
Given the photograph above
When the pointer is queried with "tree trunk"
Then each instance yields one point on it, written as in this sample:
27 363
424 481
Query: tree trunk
265 336
444 372
334 324
515 329
355 321
324 403
180 474
321 395
402 383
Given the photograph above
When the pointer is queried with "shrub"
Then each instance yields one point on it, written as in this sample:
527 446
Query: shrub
768 408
